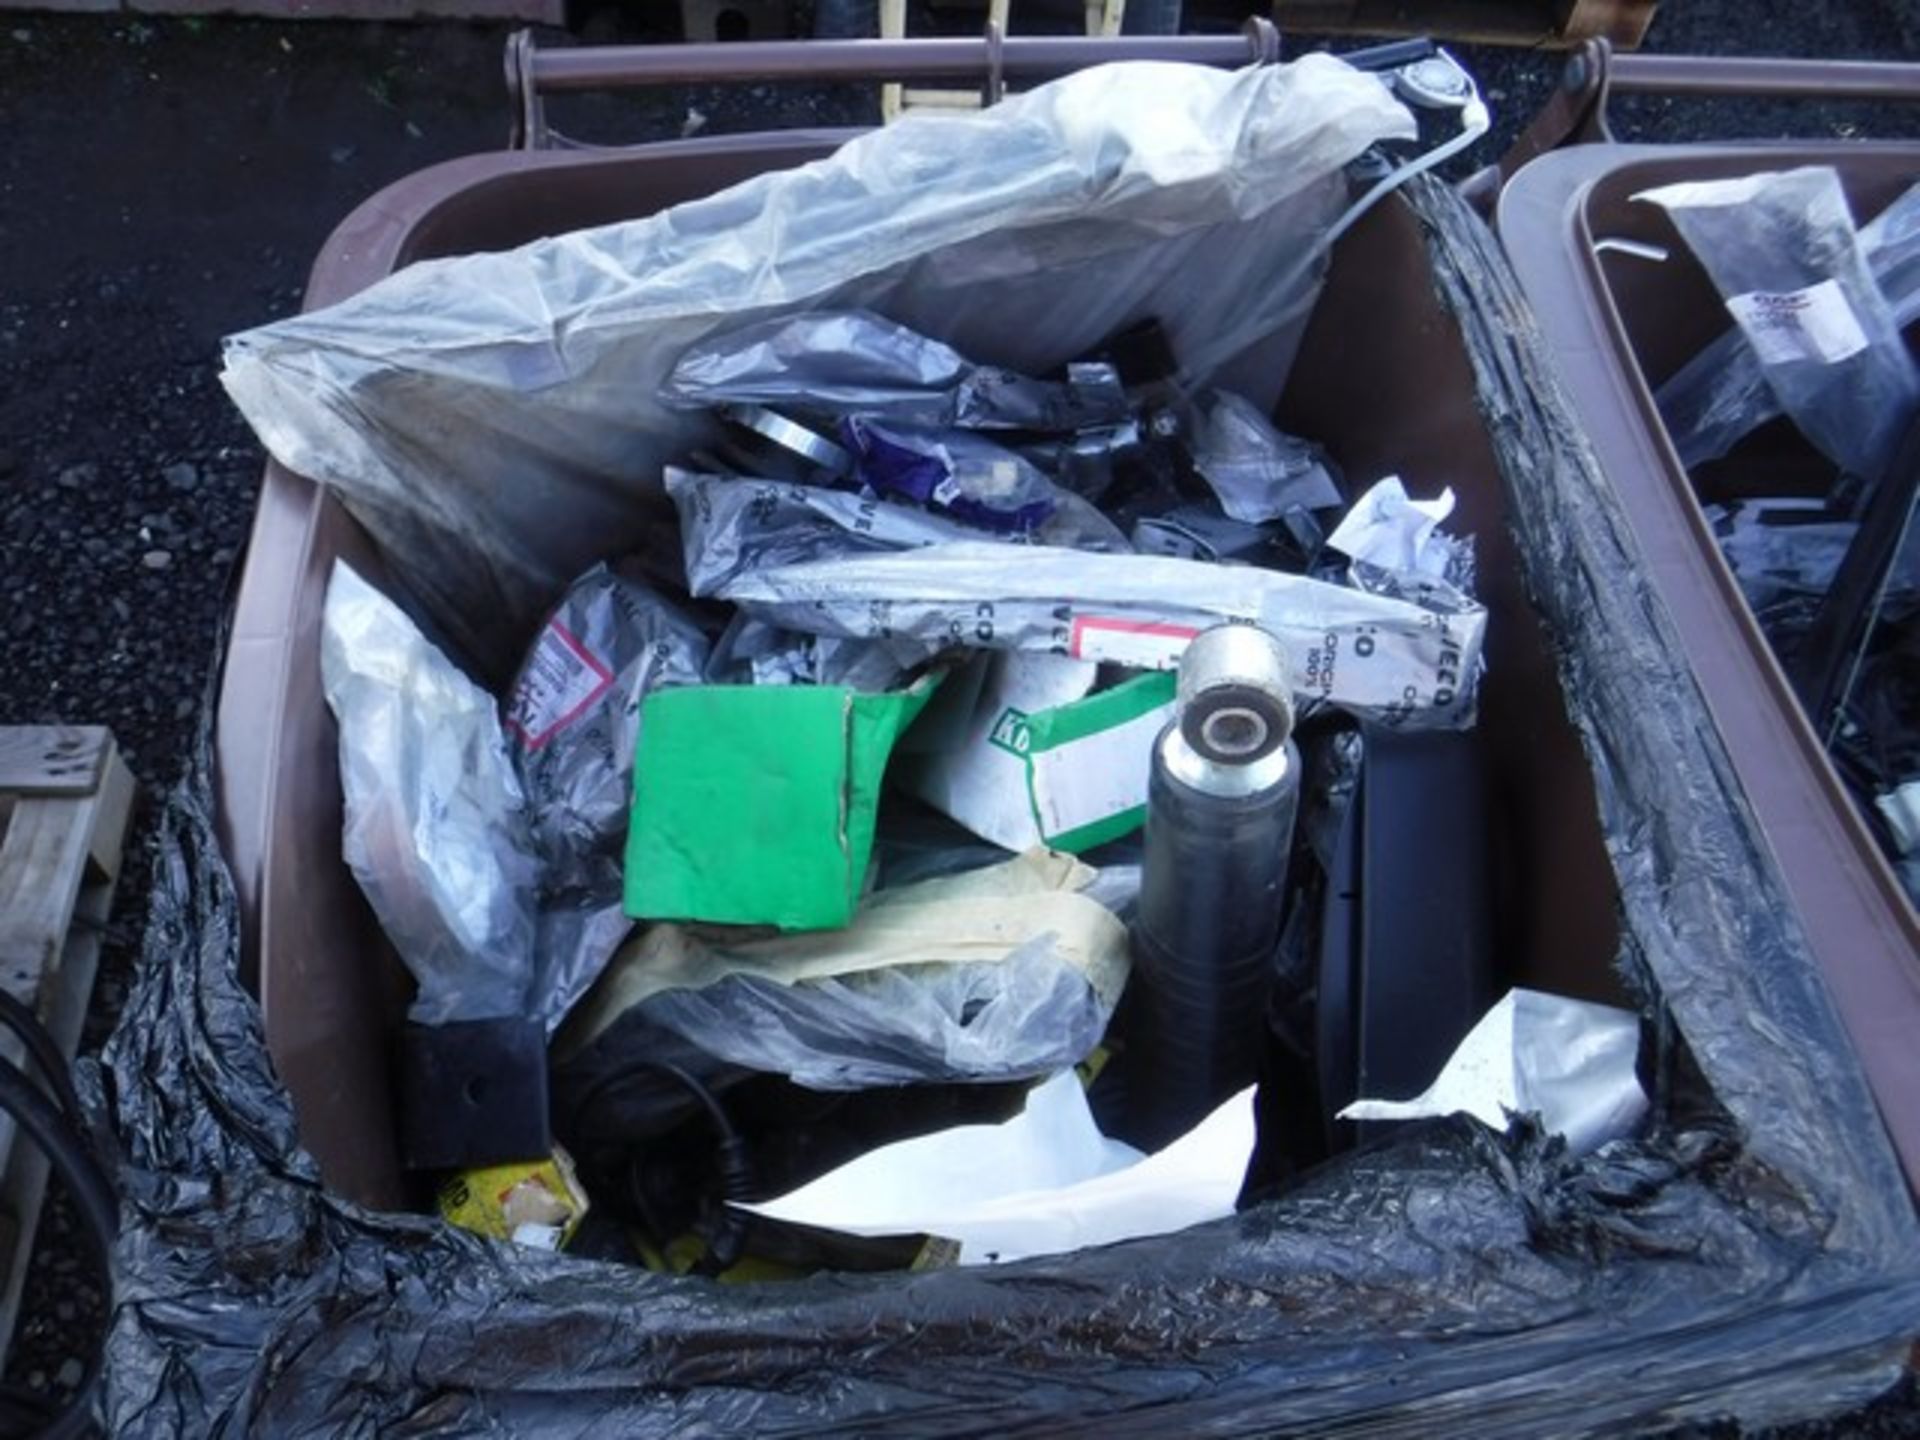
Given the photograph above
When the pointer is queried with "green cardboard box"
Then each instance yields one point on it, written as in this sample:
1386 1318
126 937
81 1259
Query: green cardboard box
755 804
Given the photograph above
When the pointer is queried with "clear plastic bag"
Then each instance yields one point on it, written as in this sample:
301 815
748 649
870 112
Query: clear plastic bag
1722 394
1255 471
436 824
1009 1019
495 420
1000 972
1787 550
752 652
731 526
1782 250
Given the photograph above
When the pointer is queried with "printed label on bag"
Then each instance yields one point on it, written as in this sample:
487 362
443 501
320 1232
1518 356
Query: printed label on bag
1148 644
1815 324
561 679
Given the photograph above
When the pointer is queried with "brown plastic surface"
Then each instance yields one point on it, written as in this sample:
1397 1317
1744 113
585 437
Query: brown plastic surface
1620 325
1381 379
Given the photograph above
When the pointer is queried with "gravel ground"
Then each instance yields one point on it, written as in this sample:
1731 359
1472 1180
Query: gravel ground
167 181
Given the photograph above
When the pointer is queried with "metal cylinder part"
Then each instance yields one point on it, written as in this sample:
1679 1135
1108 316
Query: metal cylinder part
790 436
1221 800
1233 698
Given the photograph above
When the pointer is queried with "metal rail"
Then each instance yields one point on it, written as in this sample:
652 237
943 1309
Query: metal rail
1764 77
991 58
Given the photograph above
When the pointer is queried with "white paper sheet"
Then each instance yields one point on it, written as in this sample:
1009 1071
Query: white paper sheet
1043 1183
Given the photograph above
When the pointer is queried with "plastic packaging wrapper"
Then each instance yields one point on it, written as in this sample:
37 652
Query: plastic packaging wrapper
906 1025
750 652
495 421
1570 1062
1782 251
1195 533
854 362
436 827
1785 553
1752 1256
1385 658
1891 243
1001 973
1257 473
731 527
573 715
1046 1182
964 474
1721 394
572 720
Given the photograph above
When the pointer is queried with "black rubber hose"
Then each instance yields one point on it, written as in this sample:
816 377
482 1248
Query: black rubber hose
736 1170
611 1081
18 1017
73 1161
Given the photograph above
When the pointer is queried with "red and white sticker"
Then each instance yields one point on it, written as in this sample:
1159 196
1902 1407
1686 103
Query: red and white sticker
561 679
1143 644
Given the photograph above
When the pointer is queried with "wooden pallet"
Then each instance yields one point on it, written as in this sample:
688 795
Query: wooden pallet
65 799
1499 22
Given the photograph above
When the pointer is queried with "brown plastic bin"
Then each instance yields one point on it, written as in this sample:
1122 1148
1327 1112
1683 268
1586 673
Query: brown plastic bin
1382 379
1620 324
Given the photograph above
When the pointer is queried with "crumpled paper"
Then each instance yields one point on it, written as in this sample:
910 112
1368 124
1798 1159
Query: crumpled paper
1569 1061
1388 528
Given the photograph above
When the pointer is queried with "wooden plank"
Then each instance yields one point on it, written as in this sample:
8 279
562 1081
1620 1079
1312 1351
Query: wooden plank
1622 22
42 862
940 99
52 759
111 816
87 837
25 1169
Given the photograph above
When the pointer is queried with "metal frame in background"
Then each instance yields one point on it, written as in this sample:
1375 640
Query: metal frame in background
989 60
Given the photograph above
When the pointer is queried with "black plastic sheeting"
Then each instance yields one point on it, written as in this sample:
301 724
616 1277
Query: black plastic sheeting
1757 1255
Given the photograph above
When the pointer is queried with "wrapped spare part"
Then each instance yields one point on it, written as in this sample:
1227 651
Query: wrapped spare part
573 714
1257 473
1000 973
853 362
572 722
437 825
732 526
970 477
1783 252
1722 394
1392 660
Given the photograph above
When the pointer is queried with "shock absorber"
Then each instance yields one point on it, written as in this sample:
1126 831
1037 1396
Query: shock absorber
1224 787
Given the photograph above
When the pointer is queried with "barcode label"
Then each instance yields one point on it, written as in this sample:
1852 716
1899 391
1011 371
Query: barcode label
1815 324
